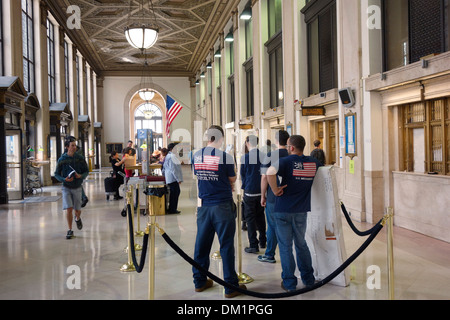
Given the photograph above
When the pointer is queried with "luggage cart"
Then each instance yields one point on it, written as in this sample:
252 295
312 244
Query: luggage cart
33 179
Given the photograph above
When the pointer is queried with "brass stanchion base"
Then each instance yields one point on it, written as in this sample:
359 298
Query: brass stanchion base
216 256
139 233
127 267
137 247
244 278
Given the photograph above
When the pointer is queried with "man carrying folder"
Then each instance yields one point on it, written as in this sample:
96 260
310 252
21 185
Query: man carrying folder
71 170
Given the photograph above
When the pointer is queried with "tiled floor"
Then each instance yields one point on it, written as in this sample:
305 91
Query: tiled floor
35 257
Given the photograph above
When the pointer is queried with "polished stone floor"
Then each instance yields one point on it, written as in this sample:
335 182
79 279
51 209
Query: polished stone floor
37 261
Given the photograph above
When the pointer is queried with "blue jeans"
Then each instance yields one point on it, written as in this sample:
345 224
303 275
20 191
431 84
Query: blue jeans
220 219
271 231
291 228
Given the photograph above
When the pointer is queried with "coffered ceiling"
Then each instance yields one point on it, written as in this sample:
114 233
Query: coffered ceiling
188 30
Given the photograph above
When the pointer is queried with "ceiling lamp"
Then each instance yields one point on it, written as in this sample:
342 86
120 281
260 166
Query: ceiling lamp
143 33
229 37
218 54
147 94
246 14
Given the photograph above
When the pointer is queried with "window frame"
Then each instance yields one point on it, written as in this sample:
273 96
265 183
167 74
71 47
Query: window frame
425 120
51 62
276 73
29 81
314 11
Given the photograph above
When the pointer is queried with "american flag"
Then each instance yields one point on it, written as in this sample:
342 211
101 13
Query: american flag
210 163
173 109
305 170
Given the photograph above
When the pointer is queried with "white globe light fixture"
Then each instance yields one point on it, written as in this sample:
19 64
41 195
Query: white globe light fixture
143 32
146 94
141 37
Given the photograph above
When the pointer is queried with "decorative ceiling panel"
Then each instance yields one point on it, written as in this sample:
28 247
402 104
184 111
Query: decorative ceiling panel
186 26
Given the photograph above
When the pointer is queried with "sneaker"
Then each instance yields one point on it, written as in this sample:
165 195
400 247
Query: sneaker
79 224
209 284
69 234
265 258
251 250
235 293
84 203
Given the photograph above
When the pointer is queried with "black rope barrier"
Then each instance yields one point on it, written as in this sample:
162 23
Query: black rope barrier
318 284
352 226
139 266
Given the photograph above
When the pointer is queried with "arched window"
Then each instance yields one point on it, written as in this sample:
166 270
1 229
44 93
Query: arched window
149 116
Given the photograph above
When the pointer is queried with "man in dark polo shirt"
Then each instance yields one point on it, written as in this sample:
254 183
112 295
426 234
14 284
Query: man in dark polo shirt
292 205
216 175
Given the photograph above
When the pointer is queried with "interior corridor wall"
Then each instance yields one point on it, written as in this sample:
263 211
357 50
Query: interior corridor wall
117 92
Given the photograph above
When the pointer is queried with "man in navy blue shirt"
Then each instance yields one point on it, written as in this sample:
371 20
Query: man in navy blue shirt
251 184
267 196
292 205
216 175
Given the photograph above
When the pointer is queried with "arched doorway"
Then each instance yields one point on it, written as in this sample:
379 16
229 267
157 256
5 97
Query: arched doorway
149 116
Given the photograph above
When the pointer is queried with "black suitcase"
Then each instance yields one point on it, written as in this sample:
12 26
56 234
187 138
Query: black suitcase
110 187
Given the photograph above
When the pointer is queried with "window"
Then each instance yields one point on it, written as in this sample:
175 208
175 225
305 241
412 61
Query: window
322 45
77 62
86 86
67 70
275 17
326 132
149 116
1 41
248 39
51 62
414 29
426 136
28 46
232 114
248 65
275 51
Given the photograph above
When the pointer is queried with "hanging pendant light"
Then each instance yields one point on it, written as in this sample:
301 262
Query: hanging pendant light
147 94
142 34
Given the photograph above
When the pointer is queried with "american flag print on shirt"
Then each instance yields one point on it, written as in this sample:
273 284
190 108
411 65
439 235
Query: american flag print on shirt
305 170
210 163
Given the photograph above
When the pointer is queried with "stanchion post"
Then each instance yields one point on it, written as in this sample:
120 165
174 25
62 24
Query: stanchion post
243 277
129 266
137 246
390 248
138 232
151 226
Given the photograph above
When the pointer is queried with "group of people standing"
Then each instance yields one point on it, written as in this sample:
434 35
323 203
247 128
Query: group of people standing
276 186
171 170
279 182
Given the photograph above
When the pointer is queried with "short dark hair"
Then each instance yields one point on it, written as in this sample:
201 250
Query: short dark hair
214 133
171 146
252 139
316 143
282 137
68 140
298 142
